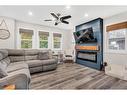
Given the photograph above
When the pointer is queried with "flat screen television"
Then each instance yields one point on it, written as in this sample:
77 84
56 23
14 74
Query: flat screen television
84 36
76 35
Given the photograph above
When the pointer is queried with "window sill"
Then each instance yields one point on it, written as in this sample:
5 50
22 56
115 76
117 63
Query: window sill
57 49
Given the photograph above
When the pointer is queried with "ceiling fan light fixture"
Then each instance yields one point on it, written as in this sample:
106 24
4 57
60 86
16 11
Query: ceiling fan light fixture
86 15
30 13
53 19
59 19
68 6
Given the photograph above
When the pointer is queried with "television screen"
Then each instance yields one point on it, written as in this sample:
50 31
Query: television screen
86 35
76 35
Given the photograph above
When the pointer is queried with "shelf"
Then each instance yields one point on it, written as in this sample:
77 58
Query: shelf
79 47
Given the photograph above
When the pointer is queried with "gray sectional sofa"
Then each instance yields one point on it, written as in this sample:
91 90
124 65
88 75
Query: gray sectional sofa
17 64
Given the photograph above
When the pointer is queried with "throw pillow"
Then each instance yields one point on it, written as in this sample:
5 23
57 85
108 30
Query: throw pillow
6 61
3 71
43 55
3 54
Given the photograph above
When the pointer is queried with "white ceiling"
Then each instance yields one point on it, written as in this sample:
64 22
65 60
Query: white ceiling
43 12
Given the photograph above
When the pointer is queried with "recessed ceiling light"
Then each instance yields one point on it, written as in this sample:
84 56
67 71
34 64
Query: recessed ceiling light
30 13
68 7
86 15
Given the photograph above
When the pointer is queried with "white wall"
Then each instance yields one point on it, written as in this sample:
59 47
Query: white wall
114 57
10 42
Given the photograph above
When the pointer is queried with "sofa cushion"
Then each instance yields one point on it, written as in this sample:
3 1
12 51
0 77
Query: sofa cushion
36 69
3 72
3 54
47 50
31 52
21 71
32 57
16 58
49 62
3 66
49 67
43 55
6 61
16 66
15 52
33 63
20 64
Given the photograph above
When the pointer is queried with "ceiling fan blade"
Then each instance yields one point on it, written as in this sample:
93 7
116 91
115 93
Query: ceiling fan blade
65 22
54 15
66 17
48 20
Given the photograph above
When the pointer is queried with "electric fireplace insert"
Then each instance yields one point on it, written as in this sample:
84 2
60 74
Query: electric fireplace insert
88 56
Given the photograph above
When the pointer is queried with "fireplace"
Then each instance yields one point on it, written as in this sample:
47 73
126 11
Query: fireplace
89 44
88 56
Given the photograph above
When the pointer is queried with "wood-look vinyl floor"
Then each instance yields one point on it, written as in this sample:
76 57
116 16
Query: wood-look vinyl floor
75 76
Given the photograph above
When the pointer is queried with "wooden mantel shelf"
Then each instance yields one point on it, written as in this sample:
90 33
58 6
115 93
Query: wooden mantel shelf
79 47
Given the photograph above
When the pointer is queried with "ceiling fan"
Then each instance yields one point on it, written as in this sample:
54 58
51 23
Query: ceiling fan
59 19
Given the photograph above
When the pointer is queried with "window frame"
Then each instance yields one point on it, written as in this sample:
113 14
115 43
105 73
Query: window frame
20 41
61 40
117 51
45 40
25 40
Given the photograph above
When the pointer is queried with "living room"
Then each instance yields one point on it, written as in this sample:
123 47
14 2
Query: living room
61 47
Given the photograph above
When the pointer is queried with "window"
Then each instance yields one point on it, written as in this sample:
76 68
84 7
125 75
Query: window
43 39
57 40
26 38
117 39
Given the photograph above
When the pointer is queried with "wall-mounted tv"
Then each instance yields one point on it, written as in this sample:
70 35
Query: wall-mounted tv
76 35
84 36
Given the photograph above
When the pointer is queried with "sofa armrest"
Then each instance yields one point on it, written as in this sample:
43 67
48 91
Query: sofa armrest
21 81
56 58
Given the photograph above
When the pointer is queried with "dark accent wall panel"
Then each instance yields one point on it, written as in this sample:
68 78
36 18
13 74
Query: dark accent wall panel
88 47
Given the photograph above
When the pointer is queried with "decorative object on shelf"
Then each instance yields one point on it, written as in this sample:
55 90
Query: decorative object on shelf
4 32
